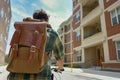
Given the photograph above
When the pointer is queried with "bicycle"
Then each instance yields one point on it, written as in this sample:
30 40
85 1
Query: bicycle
57 76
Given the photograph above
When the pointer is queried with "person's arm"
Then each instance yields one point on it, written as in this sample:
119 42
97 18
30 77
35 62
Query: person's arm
58 52
60 63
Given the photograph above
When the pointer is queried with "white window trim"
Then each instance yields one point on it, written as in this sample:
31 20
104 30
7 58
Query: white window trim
80 53
117 51
75 16
77 34
116 14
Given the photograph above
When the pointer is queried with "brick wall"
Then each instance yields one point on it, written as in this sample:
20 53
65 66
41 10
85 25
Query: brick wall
112 50
67 48
75 42
111 30
110 2
111 65
67 38
67 28
74 24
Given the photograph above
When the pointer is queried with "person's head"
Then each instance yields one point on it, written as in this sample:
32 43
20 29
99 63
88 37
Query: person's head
41 14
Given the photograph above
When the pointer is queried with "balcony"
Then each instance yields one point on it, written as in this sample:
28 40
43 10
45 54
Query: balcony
94 39
92 29
88 6
91 16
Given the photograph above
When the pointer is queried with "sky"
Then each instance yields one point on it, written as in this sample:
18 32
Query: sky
58 10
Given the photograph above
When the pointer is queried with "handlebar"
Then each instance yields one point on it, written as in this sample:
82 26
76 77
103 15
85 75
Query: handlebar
58 70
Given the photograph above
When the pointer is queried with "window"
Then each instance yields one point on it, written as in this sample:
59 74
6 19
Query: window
78 56
118 12
118 49
1 13
77 17
75 3
115 16
7 29
9 10
78 36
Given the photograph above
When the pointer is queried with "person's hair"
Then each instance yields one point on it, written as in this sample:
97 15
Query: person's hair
40 14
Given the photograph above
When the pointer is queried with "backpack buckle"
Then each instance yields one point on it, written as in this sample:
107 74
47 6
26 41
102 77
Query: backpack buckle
15 47
33 48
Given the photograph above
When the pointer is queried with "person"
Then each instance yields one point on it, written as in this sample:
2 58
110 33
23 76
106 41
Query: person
53 44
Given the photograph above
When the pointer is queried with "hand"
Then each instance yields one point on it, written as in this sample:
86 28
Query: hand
60 69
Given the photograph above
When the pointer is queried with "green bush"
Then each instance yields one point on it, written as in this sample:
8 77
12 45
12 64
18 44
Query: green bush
76 66
72 65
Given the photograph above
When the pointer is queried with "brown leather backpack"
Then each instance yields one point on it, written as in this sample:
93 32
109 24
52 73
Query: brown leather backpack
27 52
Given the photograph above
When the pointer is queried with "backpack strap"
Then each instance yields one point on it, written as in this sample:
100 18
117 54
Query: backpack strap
15 45
33 47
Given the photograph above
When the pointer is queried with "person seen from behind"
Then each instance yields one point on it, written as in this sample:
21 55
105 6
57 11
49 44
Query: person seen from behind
53 45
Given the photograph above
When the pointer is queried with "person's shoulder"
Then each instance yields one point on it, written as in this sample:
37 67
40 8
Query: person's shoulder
52 31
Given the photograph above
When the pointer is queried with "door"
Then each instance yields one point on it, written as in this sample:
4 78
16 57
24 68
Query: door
99 56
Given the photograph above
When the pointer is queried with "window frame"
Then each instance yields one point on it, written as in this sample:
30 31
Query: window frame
79 56
75 2
77 17
78 35
116 15
117 51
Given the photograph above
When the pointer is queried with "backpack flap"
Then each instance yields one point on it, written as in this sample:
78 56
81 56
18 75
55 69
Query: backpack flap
31 41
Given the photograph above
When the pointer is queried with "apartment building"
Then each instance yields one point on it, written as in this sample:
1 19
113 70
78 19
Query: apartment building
65 31
70 34
95 34
5 16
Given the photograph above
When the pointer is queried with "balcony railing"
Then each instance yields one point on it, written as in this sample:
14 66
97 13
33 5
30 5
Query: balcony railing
90 34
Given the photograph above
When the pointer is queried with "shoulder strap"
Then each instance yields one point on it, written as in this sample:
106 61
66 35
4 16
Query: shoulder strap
33 47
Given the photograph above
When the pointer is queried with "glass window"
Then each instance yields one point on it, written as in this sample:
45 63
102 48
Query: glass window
78 56
77 18
114 18
75 3
118 12
1 13
78 35
7 29
9 10
118 49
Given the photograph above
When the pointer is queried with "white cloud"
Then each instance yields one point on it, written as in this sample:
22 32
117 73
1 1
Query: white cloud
55 22
19 12
35 5
49 3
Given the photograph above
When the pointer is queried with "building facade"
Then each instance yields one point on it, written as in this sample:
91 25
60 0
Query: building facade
65 31
112 18
95 34
5 16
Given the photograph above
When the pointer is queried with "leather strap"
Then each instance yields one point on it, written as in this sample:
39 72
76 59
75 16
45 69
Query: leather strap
33 47
15 46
